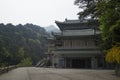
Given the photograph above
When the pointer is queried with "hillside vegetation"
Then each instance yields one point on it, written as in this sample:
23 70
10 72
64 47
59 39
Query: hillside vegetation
21 43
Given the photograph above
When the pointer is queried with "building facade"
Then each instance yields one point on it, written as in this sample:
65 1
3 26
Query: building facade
75 46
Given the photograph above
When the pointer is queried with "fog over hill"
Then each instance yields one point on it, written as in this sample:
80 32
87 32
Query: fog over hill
51 28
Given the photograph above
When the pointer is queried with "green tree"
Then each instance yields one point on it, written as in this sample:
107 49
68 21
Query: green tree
110 27
88 8
21 53
4 57
26 62
108 14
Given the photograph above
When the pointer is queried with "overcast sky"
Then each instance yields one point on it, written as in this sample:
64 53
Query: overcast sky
40 12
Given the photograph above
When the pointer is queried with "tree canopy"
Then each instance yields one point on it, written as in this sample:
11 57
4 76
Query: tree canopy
21 43
108 14
88 7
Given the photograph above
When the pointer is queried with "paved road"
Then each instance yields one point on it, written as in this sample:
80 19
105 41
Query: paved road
32 73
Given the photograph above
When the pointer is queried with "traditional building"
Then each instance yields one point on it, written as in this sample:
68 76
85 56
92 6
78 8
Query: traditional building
75 46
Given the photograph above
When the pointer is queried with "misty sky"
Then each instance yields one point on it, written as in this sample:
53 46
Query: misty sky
40 12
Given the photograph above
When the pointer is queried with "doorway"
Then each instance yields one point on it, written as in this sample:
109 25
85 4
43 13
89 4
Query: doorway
81 63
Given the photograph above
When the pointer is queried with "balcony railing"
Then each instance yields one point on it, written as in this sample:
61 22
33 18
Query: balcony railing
77 49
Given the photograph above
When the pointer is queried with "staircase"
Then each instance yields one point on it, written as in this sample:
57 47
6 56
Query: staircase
41 63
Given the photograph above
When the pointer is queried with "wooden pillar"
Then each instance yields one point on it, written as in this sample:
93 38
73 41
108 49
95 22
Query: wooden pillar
70 63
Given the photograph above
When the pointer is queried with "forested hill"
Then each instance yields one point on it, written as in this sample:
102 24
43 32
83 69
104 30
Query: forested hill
21 43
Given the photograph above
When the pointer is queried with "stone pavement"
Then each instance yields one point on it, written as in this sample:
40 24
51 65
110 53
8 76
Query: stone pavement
36 73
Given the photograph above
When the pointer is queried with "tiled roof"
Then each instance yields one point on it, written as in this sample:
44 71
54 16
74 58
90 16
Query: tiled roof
75 24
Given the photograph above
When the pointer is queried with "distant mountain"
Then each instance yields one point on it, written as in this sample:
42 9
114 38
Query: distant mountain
51 28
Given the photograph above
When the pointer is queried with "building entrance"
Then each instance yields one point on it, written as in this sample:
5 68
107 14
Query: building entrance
81 63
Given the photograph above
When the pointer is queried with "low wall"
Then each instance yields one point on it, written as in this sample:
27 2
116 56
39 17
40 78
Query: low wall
6 69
